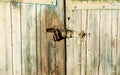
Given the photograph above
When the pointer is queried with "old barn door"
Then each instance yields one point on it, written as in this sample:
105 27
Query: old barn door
98 52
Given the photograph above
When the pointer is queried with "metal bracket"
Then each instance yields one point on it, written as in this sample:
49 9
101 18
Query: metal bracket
60 34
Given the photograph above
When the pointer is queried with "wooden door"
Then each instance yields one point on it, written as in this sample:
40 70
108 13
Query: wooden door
98 53
25 46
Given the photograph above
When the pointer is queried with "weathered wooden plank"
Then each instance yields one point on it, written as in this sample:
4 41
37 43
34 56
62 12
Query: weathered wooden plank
89 64
55 17
60 46
102 66
108 50
51 44
77 42
52 2
44 49
70 59
25 40
28 24
95 34
92 5
114 41
84 43
69 43
16 38
118 44
32 22
5 40
39 64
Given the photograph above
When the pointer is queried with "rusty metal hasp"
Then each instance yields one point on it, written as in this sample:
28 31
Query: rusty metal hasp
59 34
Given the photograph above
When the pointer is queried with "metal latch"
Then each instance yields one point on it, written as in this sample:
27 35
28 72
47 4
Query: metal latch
59 34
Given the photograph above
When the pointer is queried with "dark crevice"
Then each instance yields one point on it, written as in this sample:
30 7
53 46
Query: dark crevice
64 3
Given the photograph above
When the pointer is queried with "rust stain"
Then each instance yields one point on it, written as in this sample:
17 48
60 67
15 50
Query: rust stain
52 19
113 43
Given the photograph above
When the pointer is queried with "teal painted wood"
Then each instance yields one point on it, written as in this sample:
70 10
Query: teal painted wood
28 25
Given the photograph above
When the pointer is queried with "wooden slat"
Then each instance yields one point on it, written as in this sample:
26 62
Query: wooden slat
69 45
44 49
51 44
91 5
89 64
16 38
102 66
77 42
84 43
95 35
108 49
39 64
32 22
118 44
5 40
51 2
28 24
114 42
60 46
70 59
55 17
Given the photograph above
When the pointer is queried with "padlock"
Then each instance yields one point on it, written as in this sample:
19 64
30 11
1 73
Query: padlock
57 36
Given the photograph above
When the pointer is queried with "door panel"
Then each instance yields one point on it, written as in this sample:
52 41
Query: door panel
96 53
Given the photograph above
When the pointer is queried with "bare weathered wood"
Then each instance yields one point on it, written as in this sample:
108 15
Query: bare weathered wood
108 49
5 40
77 42
90 23
118 44
16 38
102 65
44 49
55 17
96 40
102 55
92 5
28 23
38 40
69 42
52 2
114 41
32 22
84 43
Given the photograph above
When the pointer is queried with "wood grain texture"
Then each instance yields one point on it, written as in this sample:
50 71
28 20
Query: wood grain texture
27 47
102 65
44 49
118 44
114 41
38 40
84 43
69 42
96 39
89 42
5 42
76 26
16 38
28 39
56 50
108 48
